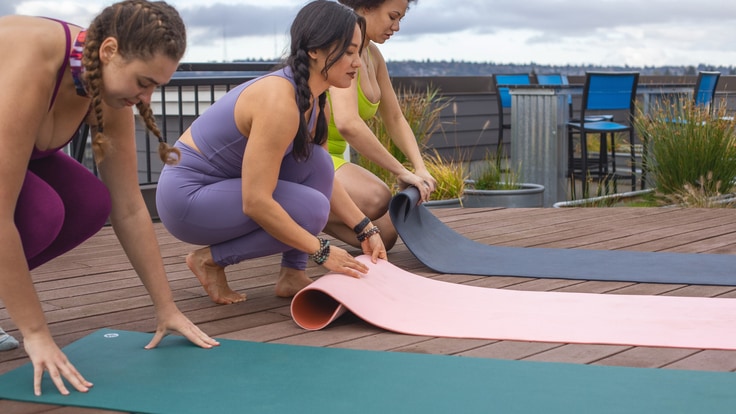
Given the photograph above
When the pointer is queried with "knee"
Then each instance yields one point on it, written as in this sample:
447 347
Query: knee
96 205
39 224
88 212
313 213
375 202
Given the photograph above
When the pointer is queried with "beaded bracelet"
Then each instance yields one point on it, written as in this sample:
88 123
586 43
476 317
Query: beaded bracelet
323 253
361 226
368 233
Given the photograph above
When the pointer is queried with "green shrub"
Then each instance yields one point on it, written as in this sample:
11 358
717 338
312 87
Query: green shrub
450 176
699 195
684 143
422 112
493 176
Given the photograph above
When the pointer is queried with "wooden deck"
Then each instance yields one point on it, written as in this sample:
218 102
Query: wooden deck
94 287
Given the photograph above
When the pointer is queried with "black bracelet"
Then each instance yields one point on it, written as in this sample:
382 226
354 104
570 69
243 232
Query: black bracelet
361 226
323 253
368 233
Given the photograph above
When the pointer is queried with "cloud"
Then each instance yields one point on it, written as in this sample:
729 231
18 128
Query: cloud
652 32
238 20
6 7
562 19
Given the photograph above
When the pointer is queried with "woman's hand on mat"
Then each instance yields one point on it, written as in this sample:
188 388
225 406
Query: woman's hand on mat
425 184
46 356
427 180
174 320
341 261
373 246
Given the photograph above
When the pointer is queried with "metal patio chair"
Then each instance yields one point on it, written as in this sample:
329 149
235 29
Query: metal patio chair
560 79
603 92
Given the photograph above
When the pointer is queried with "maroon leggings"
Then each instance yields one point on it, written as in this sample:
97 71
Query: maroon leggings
61 204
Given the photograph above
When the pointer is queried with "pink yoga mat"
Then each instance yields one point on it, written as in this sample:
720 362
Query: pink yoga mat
399 301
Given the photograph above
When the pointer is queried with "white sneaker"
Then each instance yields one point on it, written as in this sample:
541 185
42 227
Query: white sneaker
7 342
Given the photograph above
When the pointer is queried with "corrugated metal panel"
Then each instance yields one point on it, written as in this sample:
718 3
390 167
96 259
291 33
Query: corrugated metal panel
538 143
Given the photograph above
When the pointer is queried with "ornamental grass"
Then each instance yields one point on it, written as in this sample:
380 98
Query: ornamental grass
689 150
422 111
450 176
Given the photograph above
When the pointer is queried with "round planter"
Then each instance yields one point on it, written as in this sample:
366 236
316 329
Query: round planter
529 195
453 202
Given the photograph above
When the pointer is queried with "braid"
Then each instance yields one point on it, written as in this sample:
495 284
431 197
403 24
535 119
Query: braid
92 77
300 67
167 153
142 29
320 135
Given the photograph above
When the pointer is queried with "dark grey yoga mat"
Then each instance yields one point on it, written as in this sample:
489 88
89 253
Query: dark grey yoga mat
444 250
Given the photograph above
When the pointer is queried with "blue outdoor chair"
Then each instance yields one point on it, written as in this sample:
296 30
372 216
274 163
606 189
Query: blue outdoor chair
703 95
560 79
552 79
503 97
603 91
556 79
705 89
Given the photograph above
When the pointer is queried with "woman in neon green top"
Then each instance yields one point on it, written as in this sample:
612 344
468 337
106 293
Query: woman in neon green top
372 92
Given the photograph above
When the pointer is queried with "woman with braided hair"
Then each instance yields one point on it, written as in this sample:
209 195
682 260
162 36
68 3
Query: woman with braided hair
49 203
254 178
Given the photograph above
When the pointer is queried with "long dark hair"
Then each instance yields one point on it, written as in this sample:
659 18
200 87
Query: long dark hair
366 4
320 25
142 29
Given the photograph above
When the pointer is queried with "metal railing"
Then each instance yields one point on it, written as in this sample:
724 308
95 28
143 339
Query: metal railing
193 88
196 86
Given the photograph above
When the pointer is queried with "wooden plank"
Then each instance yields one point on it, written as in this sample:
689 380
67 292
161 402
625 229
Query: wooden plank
94 287
578 353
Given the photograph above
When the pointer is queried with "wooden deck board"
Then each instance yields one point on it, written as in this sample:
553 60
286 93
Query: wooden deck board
94 287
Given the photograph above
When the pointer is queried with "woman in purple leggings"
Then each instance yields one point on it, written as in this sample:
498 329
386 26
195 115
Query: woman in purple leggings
254 178
49 203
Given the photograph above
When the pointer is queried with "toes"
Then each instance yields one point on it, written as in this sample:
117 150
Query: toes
229 299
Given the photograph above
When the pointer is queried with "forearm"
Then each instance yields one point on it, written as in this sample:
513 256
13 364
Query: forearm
343 207
17 292
276 221
404 139
138 239
361 138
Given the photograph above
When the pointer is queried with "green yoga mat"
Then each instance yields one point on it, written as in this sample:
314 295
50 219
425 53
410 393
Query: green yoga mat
249 377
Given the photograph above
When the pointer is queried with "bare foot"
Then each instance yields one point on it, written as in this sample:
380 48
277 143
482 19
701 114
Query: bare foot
212 277
291 281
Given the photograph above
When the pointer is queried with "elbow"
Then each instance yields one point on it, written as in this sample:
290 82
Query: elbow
252 205
347 129
344 131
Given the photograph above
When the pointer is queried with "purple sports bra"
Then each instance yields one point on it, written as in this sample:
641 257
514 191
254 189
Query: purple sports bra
217 136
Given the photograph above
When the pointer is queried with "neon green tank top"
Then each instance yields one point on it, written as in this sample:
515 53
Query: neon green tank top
335 142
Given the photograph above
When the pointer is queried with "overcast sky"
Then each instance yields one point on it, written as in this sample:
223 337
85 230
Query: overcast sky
605 32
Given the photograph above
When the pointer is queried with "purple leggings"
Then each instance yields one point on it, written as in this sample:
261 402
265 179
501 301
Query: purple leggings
61 204
200 206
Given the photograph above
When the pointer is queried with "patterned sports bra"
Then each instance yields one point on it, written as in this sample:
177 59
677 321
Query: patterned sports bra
75 63
73 59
